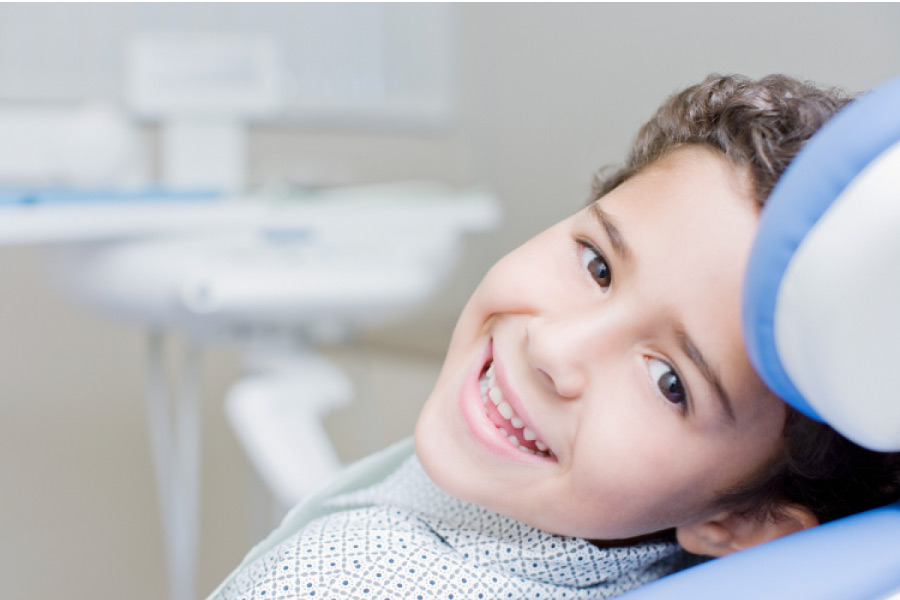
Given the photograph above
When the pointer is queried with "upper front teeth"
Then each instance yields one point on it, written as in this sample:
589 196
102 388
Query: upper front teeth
505 409
489 390
496 396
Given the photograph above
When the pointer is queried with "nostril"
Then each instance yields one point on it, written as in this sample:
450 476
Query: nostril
552 359
545 378
567 383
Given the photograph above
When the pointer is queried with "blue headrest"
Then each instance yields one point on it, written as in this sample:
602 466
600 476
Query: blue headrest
821 305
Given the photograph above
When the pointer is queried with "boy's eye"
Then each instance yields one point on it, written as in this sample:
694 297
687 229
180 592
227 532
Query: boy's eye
596 266
668 382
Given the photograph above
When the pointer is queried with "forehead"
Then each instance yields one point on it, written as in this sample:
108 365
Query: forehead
692 203
696 175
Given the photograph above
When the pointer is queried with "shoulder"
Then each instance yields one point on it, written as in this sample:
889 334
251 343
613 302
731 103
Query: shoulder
358 476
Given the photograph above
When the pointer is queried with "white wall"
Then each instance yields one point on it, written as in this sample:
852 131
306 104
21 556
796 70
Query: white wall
547 94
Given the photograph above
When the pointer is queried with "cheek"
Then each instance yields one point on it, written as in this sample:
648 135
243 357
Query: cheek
645 470
628 446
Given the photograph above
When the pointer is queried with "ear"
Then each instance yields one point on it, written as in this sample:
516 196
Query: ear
729 532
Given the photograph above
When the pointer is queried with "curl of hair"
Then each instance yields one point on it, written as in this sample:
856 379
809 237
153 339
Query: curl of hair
822 470
756 124
760 125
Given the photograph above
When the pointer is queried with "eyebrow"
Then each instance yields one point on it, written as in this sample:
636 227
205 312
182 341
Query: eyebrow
709 374
612 231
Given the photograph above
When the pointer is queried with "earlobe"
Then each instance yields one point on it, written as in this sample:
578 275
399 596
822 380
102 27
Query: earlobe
707 538
729 532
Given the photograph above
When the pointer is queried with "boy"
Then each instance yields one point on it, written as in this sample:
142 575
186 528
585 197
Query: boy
596 402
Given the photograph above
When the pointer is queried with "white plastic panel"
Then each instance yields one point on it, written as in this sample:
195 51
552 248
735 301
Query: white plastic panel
837 323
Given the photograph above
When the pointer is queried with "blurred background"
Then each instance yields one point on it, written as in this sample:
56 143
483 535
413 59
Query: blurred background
526 101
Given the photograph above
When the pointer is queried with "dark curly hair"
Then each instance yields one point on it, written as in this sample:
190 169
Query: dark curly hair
760 125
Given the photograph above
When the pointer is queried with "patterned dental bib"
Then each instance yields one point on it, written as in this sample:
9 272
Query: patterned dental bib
406 538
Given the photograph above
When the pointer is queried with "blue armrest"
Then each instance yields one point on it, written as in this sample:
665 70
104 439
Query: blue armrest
854 558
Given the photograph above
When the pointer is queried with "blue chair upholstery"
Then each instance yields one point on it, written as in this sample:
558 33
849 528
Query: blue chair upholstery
857 558
821 316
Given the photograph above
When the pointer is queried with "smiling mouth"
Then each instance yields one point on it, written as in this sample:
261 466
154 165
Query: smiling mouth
504 417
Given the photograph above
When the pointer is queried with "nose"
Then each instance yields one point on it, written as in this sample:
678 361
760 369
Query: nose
567 350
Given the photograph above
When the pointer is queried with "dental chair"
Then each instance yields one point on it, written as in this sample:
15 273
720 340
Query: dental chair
821 317
822 325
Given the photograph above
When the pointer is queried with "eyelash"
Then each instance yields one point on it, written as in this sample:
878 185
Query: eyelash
588 249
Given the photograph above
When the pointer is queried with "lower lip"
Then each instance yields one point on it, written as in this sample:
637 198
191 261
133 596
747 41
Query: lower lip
482 429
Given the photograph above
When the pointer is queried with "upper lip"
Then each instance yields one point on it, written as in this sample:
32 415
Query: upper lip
510 396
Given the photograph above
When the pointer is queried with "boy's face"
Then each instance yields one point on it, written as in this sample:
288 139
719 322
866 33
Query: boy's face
615 341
